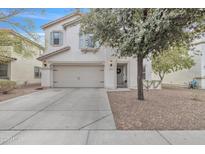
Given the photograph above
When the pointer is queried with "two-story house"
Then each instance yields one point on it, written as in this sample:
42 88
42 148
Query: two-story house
21 69
73 60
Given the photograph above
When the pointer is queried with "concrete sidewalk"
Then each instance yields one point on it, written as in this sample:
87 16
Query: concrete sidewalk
102 137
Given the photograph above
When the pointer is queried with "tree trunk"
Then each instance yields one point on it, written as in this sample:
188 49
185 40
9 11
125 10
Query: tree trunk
140 77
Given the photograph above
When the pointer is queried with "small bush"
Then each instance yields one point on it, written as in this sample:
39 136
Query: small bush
6 86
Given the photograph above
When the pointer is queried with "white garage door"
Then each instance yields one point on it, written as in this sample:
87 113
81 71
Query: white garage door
78 76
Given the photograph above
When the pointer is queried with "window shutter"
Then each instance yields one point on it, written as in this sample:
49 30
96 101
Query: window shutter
81 41
51 38
61 38
86 41
89 41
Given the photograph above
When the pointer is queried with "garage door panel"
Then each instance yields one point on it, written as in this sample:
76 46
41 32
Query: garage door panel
78 76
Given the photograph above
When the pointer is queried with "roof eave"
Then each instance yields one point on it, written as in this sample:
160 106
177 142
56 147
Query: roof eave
61 19
22 37
43 57
74 22
6 59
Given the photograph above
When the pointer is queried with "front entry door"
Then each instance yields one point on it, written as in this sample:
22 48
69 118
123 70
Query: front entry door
122 76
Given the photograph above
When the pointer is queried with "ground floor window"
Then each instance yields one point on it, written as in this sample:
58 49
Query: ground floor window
3 71
37 72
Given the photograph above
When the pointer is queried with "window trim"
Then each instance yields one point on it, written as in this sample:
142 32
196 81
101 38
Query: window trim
52 38
83 47
7 76
39 72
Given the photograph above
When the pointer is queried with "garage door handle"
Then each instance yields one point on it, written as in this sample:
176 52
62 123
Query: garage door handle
55 82
101 81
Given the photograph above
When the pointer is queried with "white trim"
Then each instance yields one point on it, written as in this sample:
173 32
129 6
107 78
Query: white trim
77 62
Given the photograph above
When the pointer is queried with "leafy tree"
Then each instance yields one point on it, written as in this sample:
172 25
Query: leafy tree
26 25
10 42
141 32
174 59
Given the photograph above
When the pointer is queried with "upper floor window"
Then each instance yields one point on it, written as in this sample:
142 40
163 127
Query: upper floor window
56 38
87 41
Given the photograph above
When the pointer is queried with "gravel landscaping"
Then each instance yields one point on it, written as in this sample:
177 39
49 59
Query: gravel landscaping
19 92
166 109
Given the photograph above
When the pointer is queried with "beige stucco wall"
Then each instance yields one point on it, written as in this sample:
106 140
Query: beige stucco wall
22 69
110 75
103 56
75 56
203 66
67 35
183 77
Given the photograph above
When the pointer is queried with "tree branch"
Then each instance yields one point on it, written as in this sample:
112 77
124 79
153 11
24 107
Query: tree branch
161 76
198 43
20 27
11 14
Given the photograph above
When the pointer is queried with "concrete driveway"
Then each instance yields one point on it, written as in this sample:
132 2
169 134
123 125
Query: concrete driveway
55 116
75 116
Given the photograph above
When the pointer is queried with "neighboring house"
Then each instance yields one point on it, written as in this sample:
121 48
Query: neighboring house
73 60
23 70
183 77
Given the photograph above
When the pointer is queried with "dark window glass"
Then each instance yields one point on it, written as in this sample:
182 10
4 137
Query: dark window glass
87 41
56 38
37 72
4 71
90 41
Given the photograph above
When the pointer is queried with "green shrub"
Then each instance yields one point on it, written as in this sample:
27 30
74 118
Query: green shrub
6 86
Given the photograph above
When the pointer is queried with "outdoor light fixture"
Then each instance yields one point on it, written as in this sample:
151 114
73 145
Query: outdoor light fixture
110 63
44 63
